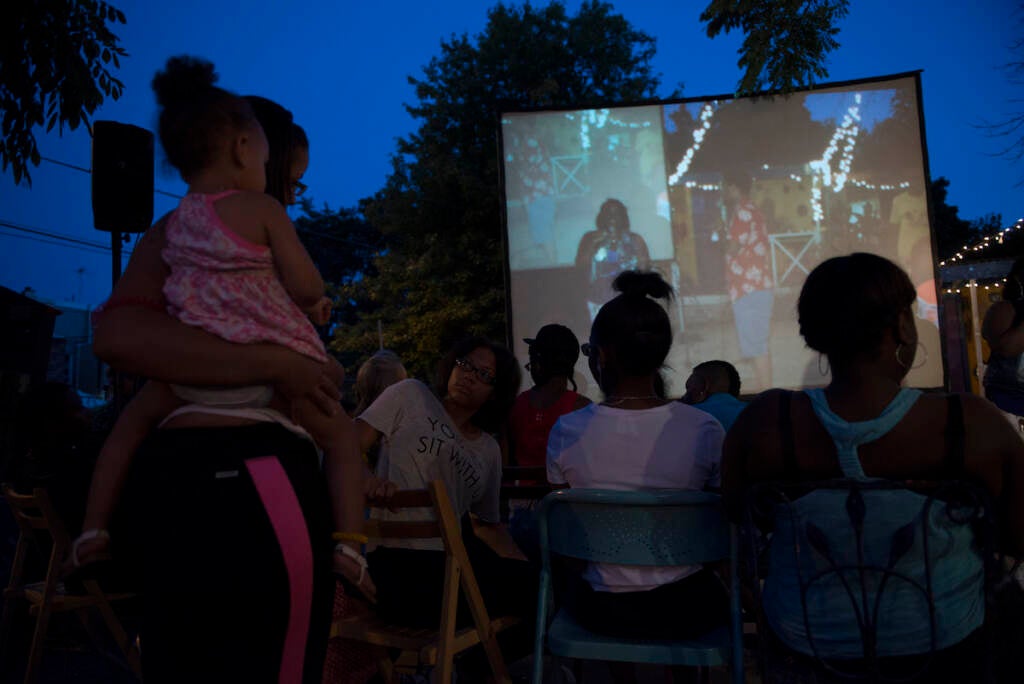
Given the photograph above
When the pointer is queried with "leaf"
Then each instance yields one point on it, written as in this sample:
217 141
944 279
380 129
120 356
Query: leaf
106 55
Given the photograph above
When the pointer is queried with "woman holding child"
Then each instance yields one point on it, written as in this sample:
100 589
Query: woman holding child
234 508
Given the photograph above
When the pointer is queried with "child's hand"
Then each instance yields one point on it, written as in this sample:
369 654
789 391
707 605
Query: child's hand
320 313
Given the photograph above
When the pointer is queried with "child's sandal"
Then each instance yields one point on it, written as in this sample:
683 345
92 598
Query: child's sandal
96 556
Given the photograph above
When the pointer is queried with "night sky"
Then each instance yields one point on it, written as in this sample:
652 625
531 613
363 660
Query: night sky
341 67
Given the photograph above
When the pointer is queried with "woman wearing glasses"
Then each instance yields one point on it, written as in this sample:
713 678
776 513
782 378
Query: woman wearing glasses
426 436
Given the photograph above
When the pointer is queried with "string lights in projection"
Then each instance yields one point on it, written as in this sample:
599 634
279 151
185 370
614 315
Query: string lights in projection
599 118
706 114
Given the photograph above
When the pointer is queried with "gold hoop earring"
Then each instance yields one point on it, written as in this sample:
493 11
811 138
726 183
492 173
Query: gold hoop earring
827 369
907 366
923 356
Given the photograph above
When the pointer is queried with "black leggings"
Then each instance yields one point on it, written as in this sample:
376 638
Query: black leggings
684 609
410 582
235 552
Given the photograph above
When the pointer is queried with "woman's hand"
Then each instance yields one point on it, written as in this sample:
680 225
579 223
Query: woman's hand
300 377
378 490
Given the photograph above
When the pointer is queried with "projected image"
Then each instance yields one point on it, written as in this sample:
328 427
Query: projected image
733 201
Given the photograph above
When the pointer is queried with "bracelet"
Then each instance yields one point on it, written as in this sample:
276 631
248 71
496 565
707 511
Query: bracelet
359 558
356 537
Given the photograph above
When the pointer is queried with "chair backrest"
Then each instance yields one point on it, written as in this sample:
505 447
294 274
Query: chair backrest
867 556
36 512
676 527
458 572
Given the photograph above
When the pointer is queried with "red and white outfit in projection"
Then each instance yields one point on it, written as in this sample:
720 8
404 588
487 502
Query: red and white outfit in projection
748 273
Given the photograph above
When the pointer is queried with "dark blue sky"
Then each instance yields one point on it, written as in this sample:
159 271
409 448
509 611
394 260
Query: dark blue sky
342 68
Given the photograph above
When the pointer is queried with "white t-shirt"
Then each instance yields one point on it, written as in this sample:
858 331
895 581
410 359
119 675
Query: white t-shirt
674 446
419 444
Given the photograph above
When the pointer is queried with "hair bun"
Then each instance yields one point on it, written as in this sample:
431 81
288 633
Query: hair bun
642 284
182 79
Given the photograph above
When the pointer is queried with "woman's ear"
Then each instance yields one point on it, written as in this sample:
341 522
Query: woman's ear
240 149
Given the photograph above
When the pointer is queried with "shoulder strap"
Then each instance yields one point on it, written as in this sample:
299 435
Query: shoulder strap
954 461
789 464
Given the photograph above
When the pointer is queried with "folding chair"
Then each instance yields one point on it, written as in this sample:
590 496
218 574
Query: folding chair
436 647
34 512
635 528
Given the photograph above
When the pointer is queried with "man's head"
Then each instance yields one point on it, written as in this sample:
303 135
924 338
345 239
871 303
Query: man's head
711 377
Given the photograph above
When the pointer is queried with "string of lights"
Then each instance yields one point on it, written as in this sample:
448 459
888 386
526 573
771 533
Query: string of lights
996 238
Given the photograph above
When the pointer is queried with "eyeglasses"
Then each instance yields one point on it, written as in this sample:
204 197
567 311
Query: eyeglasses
485 376
588 348
299 188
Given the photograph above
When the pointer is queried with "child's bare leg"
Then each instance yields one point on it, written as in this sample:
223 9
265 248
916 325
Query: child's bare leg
345 471
142 414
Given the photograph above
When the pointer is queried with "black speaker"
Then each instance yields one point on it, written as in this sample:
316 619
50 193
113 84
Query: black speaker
122 177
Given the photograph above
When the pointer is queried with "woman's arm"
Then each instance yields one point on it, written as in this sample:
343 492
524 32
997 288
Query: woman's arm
994 456
134 333
1004 338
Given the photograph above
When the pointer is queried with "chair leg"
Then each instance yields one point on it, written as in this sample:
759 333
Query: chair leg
5 621
35 653
385 667
116 628
449 609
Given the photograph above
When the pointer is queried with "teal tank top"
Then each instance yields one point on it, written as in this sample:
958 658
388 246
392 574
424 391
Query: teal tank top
903 618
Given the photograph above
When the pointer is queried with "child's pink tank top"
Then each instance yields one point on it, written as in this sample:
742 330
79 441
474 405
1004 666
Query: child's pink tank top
227 285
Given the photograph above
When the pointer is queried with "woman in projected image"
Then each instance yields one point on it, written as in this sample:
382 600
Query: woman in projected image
608 251
749 275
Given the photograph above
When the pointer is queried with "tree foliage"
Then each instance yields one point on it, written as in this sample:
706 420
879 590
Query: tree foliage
441 274
55 70
786 41
1011 127
951 231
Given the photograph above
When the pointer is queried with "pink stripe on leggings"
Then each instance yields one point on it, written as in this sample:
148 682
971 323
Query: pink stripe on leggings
289 525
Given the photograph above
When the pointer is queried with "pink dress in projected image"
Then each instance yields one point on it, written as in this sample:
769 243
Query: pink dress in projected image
226 285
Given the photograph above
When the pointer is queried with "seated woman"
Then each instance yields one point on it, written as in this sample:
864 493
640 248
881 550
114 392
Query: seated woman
424 438
553 355
637 440
856 310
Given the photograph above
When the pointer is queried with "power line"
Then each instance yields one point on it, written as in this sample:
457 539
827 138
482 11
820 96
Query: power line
44 241
56 236
89 171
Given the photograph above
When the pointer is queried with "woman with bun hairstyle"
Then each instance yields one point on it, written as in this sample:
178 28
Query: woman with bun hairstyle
637 440
233 502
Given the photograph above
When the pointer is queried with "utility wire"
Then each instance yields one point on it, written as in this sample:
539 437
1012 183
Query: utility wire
72 241
89 171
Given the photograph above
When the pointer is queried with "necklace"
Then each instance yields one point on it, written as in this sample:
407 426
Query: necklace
612 400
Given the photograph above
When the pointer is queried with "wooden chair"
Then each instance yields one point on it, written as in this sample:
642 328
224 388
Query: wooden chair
522 483
34 512
436 647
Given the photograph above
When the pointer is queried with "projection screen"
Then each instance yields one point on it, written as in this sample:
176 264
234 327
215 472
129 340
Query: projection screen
826 172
